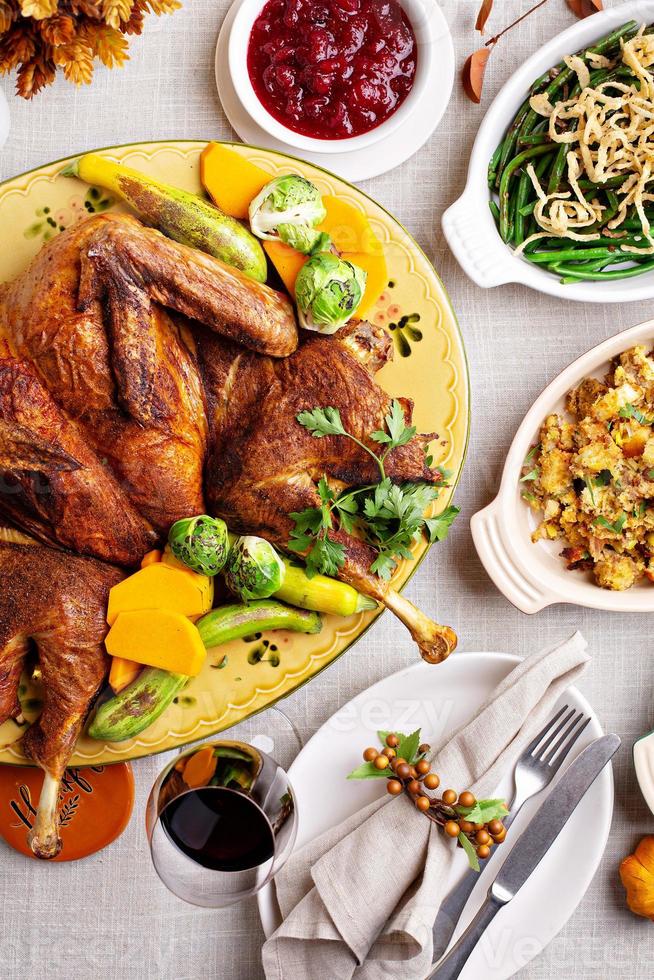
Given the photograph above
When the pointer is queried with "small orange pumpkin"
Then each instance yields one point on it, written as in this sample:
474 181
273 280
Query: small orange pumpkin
637 875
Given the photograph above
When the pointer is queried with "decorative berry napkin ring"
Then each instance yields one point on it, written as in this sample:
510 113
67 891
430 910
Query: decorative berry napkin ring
476 824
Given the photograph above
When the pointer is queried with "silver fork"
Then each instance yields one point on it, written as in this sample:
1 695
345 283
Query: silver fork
534 770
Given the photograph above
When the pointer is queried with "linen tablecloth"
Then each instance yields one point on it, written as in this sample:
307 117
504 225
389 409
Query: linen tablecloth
109 918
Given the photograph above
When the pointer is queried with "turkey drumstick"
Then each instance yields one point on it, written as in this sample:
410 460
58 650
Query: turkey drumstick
55 602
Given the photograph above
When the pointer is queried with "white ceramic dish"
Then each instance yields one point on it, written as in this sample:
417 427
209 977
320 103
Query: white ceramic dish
439 699
468 224
361 162
530 575
426 29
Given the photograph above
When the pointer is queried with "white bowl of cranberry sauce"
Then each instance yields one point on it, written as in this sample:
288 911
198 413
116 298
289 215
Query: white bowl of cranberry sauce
331 75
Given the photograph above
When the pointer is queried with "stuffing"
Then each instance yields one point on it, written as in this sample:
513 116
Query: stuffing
591 474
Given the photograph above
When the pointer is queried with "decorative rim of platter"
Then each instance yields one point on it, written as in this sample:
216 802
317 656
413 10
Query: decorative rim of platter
218 698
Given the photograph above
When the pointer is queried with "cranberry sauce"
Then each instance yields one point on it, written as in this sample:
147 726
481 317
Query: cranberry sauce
331 69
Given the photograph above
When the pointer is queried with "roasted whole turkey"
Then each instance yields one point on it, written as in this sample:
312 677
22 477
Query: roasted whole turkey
140 382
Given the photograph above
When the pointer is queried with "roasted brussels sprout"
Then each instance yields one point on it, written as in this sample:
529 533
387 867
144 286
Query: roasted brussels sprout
254 569
304 239
328 291
288 208
201 543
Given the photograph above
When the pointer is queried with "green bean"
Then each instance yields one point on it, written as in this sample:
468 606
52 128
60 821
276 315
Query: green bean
527 139
509 170
510 140
589 185
571 251
524 185
636 270
566 280
492 166
604 45
569 254
635 224
535 138
556 172
581 268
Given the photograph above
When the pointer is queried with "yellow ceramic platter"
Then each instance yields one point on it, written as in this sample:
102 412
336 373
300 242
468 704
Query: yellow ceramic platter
429 366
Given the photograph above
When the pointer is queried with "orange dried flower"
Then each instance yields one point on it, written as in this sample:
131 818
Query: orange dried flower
33 76
39 36
483 15
76 59
38 9
115 12
59 29
89 8
107 44
16 46
8 13
160 7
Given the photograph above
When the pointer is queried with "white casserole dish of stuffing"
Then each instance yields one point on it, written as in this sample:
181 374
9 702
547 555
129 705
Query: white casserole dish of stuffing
574 517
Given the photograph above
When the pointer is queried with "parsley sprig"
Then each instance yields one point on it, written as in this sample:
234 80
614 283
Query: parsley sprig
387 516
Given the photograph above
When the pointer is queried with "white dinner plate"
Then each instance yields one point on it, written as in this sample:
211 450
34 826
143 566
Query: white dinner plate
369 161
439 699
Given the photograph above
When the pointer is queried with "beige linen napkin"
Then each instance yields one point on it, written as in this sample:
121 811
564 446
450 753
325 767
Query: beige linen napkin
361 899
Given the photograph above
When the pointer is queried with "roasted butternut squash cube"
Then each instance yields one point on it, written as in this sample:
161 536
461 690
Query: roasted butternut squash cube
374 265
122 673
230 179
157 638
348 227
159 586
287 261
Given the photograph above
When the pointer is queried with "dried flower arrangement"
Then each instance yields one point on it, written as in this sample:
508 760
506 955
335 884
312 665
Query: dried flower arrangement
39 36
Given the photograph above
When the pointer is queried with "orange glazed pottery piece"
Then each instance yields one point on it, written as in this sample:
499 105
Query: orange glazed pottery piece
95 806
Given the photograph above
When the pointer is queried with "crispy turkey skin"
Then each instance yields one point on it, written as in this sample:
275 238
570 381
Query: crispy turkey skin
141 382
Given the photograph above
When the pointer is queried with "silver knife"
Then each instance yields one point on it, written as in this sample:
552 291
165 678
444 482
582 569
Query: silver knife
530 848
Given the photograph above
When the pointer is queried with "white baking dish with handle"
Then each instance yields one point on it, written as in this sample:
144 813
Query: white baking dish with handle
533 575
469 226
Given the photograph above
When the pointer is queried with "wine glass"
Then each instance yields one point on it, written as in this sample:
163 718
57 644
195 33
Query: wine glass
221 821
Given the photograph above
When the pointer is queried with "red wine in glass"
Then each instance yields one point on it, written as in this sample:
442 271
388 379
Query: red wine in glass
221 822
219 828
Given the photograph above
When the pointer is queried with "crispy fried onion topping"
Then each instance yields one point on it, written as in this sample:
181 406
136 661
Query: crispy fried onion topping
610 132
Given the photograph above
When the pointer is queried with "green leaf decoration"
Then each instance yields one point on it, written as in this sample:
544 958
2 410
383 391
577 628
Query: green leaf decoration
483 811
407 747
367 770
471 853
